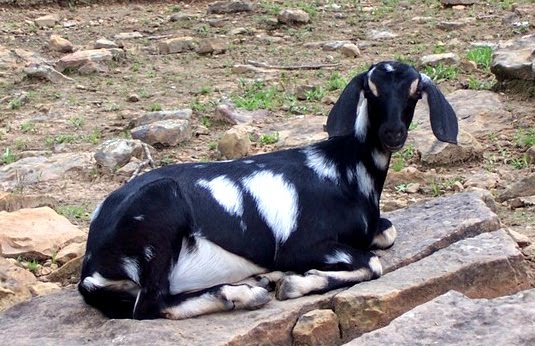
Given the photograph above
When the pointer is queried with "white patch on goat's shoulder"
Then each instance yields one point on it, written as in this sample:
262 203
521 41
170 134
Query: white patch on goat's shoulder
226 193
199 166
320 164
131 267
389 68
139 217
380 159
276 200
365 181
362 122
371 72
206 264
148 252
339 256
96 212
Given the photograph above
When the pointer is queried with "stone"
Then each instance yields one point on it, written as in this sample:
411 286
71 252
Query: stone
457 2
515 59
214 46
47 21
316 328
70 252
63 318
128 35
46 72
227 112
59 44
379 35
124 173
521 188
133 98
32 170
350 50
435 153
82 57
328 100
530 154
115 153
486 266
170 132
436 59
235 143
223 7
67 274
293 16
150 117
451 25
177 45
36 233
521 239
246 69
44 288
16 201
454 319
299 130
14 284
482 179
413 188
90 68
333 45
103 43
301 91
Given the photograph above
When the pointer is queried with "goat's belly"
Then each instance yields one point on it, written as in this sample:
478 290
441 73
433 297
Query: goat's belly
205 265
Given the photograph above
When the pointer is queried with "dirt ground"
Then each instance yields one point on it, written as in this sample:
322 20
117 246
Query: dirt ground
76 117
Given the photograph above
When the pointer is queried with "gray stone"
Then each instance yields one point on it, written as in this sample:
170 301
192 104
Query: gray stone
434 152
47 21
316 328
380 35
226 111
14 284
452 25
530 154
521 188
105 43
332 45
456 320
486 266
223 7
169 132
115 153
301 91
293 16
299 130
177 45
436 59
214 46
92 67
16 201
457 2
47 72
350 50
59 44
82 57
515 59
128 35
235 143
150 117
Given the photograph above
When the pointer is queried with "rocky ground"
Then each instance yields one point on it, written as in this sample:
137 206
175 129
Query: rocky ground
91 93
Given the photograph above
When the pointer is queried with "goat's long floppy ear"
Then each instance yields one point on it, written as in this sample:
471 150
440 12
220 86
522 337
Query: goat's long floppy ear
443 118
341 120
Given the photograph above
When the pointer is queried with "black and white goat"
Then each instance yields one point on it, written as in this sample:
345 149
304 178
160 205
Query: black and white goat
177 242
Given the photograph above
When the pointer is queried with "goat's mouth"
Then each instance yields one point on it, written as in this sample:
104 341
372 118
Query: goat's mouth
393 148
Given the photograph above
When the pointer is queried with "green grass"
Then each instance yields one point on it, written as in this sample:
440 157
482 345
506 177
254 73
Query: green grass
269 138
315 94
405 59
64 138
27 127
258 95
482 56
206 122
401 188
74 212
400 158
520 162
8 157
77 122
476 84
198 106
155 107
441 72
336 82
15 103
525 138
94 137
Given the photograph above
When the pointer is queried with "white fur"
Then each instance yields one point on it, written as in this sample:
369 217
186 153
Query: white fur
96 212
373 87
131 267
354 276
195 306
207 265
97 281
414 87
362 122
148 252
389 68
350 175
139 217
365 222
376 266
244 296
425 78
365 181
321 165
386 238
248 161
295 286
338 256
380 159
276 200
226 193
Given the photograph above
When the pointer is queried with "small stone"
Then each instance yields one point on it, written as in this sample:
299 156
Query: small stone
329 46
82 57
216 22
67 274
521 239
247 69
105 43
301 91
115 153
317 327
468 65
44 288
530 154
413 188
133 98
521 188
151 117
451 25
124 173
422 20
177 45
457 2
235 143
59 44
212 46
328 100
223 7
47 21
128 35
70 252
436 59
169 132
350 50
228 112
381 35
293 16
46 72
90 68
238 31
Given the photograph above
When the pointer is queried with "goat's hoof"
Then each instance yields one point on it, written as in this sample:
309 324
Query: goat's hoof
244 297
385 239
269 280
288 288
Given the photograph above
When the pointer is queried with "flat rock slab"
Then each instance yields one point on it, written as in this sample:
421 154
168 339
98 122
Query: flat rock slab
486 266
63 319
454 319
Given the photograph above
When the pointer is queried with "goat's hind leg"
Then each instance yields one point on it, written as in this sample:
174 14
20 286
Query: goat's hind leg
215 299
385 235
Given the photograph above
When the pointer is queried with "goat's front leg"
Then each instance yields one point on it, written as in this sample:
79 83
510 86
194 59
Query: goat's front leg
384 236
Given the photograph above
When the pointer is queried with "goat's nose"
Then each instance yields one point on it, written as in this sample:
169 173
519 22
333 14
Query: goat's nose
393 135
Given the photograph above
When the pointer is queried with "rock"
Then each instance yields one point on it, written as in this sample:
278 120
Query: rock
457 2
434 152
103 43
67 274
128 35
454 319
90 68
328 100
293 16
350 50
14 284
169 132
70 252
44 288
32 170
451 25
83 57
133 98
216 22
115 153
226 111
521 188
299 131
379 35
212 46
530 154
333 45
245 69
35 233
150 117
482 179
466 266
235 143
316 328
63 318
521 239
301 91
485 196
47 72
238 31
47 21
436 59
124 173
16 201
413 188
515 60
59 44
177 45
223 7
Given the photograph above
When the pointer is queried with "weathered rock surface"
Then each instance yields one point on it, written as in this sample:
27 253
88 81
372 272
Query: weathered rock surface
169 132
436 59
316 328
36 233
467 266
350 50
300 130
223 7
82 57
177 45
293 16
115 153
59 44
515 60
45 71
523 187
434 152
16 201
228 112
47 21
63 318
14 284
151 117
212 46
235 143
105 43
70 252
454 319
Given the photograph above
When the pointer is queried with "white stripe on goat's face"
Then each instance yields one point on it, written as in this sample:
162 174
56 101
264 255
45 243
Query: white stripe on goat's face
380 160
204 264
321 165
365 181
131 268
339 256
226 193
97 281
276 200
362 122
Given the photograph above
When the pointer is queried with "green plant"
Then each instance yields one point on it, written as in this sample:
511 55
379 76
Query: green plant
441 72
32 265
27 127
271 7
94 137
315 94
166 160
476 84
16 103
397 164
258 95
212 146
404 59
435 189
8 157
74 212
269 138
155 107
439 49
77 122
336 82
64 138
206 122
21 144
175 9
482 56
525 138
401 187
205 90
198 106
520 162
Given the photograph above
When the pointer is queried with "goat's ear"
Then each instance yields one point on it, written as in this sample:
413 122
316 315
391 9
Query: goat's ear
341 120
443 118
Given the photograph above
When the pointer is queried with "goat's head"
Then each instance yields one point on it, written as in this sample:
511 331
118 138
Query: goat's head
380 103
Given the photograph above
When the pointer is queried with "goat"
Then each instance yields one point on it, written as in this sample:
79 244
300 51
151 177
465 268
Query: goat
177 241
